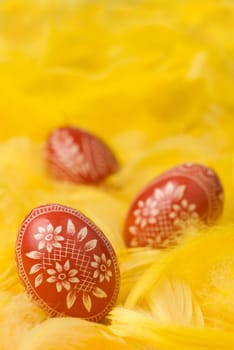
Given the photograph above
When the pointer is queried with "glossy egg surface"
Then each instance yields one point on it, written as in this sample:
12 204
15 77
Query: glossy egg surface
66 263
183 196
78 156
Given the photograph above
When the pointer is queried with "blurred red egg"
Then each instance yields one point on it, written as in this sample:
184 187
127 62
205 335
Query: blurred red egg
66 263
183 196
76 155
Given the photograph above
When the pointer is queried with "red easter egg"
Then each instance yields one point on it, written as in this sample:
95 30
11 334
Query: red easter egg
76 155
183 196
66 263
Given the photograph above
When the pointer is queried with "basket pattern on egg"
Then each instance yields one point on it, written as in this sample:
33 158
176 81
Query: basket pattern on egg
51 270
163 211
176 202
72 261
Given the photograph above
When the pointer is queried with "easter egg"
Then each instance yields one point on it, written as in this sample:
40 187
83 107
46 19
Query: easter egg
183 196
66 263
76 155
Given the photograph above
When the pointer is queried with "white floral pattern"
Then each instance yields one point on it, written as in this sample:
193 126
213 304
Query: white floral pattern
146 212
62 276
69 153
170 191
49 237
183 213
101 265
158 218
59 260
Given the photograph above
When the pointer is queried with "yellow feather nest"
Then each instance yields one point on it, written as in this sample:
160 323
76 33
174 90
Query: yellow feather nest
155 80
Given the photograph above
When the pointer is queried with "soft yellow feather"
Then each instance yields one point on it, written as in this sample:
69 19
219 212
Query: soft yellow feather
154 79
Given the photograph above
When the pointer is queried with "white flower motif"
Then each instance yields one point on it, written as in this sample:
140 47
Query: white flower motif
49 237
62 276
171 191
101 264
183 213
146 212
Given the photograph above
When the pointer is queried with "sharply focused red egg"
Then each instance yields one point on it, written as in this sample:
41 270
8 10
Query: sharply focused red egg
76 155
184 195
66 263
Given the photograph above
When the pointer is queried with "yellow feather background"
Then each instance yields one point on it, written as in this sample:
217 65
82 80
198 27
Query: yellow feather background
155 80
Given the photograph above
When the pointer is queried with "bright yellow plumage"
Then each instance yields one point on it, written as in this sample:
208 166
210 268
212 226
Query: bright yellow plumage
155 80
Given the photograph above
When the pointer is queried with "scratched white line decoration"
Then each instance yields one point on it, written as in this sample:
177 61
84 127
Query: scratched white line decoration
183 197
76 155
66 263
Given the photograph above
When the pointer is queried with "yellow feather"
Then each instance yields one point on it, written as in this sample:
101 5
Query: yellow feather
155 80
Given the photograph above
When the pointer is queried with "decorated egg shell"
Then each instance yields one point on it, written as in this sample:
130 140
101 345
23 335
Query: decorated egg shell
66 263
183 196
78 156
